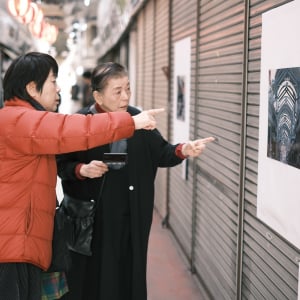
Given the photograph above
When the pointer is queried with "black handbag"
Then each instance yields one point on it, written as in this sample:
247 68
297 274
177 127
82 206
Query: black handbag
61 259
79 218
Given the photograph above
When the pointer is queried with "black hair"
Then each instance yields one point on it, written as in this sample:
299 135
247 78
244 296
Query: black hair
103 72
87 74
33 66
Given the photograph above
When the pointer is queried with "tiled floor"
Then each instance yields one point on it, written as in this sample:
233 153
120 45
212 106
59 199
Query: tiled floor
168 276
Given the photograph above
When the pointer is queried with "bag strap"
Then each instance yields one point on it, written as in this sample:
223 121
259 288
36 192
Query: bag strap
101 191
92 110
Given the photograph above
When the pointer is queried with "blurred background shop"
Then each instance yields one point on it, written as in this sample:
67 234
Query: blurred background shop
212 64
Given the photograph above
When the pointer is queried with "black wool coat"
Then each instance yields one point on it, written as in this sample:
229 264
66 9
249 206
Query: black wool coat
117 268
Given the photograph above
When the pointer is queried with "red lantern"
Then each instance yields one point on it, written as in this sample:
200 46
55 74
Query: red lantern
36 27
54 33
49 33
18 8
31 14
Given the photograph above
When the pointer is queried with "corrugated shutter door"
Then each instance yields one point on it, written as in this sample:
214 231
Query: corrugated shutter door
270 264
151 83
139 87
183 24
160 93
221 33
148 55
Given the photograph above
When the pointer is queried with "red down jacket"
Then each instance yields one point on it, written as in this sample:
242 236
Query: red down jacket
29 140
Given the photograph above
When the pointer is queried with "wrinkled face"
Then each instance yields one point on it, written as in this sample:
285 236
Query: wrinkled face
115 96
49 96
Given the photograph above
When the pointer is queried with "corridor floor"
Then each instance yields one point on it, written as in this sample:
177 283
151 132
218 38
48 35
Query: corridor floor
168 276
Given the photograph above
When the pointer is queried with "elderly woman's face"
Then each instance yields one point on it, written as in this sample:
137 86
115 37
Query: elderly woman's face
115 96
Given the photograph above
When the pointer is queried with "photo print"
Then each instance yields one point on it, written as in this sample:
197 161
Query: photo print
180 98
283 116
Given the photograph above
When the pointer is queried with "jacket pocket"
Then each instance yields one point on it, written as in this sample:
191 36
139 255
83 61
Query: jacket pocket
28 219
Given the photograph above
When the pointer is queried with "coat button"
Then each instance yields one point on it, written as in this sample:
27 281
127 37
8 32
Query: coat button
131 188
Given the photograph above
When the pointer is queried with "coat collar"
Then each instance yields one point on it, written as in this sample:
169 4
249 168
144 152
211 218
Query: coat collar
18 102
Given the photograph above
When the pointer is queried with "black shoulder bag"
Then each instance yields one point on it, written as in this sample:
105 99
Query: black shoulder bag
79 218
61 259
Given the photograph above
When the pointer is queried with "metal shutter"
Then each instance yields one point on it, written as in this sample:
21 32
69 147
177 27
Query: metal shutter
160 91
151 83
139 86
183 24
148 55
270 264
220 68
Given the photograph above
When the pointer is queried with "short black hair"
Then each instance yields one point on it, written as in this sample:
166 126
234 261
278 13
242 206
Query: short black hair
33 66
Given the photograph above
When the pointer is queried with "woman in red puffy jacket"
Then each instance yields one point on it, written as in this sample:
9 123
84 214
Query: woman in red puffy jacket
31 134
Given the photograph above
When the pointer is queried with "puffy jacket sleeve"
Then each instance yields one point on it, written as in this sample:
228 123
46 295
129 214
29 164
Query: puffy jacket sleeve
36 132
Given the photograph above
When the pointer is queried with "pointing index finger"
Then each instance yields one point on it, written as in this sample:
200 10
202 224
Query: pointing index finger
156 111
208 140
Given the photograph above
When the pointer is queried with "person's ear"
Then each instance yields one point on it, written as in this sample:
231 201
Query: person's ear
31 89
98 97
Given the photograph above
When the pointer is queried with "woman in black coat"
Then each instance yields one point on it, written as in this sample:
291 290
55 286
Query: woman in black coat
117 268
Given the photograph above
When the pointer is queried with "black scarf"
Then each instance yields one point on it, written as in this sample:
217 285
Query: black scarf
36 104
